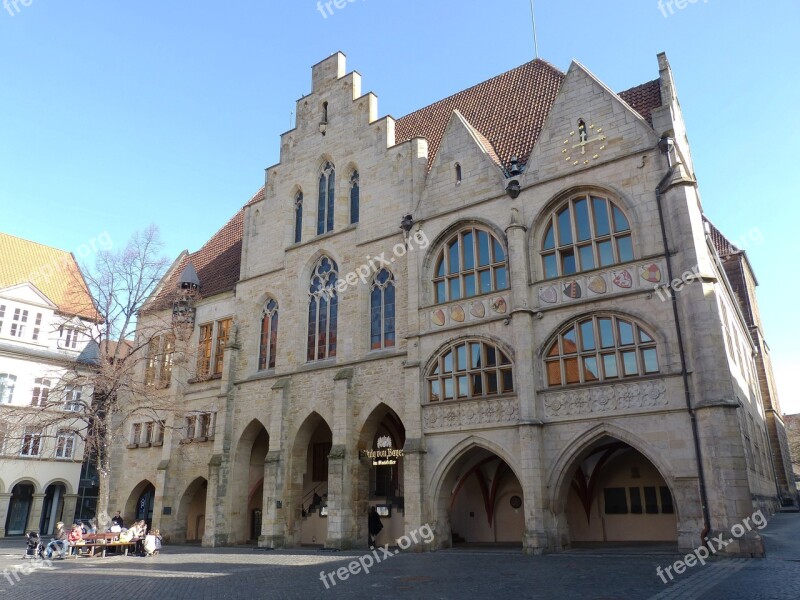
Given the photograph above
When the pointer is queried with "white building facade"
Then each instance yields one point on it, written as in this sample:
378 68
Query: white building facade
42 344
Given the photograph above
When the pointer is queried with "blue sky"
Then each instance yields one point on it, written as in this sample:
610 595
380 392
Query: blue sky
116 115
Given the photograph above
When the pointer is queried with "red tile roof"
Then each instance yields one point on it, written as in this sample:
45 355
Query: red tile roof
644 98
54 272
508 110
721 243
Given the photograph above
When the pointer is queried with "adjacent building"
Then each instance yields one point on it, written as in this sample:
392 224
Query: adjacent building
504 315
46 324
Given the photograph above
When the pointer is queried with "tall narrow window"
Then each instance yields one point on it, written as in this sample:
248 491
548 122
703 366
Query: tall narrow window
298 218
37 327
7 384
323 310
150 362
269 336
354 197
471 263
41 391
327 186
204 350
223 331
382 303
324 112
165 360
458 174
585 233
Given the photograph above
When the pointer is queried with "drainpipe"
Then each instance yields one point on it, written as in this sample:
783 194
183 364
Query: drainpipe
665 145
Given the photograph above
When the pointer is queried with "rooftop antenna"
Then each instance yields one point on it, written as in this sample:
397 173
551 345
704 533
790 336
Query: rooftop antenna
535 38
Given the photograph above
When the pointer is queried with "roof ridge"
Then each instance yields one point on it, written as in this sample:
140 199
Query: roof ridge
27 241
485 81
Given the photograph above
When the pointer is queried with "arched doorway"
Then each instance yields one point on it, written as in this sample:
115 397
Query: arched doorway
378 477
192 511
140 504
308 487
19 508
52 508
248 484
481 500
617 495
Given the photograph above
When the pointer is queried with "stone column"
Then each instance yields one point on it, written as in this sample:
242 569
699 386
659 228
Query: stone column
215 533
35 516
413 475
341 521
5 502
273 522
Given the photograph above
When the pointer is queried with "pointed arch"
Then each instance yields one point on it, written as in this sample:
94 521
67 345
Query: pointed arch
561 473
382 302
323 310
268 339
355 196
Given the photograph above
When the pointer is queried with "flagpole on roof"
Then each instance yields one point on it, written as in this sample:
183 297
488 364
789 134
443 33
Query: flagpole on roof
535 38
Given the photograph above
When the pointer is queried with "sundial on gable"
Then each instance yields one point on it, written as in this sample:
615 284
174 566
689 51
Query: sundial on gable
581 148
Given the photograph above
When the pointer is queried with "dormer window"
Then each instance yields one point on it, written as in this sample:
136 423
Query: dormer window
18 323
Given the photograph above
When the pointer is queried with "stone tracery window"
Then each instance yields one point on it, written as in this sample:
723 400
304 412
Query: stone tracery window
584 233
472 262
600 348
323 310
355 196
268 346
382 311
470 369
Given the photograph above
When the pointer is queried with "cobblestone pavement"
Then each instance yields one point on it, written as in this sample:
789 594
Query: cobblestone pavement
200 573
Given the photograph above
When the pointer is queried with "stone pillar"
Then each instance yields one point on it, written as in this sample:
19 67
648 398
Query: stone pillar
341 518
5 502
35 516
730 502
414 516
216 533
273 521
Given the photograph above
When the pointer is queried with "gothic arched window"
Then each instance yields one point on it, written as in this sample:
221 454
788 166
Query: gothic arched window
472 262
470 369
327 186
354 197
600 348
298 218
322 310
584 233
268 346
382 308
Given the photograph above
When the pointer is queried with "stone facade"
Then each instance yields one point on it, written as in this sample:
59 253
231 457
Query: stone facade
691 429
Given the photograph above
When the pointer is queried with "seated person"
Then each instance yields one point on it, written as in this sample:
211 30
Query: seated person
117 520
152 543
75 536
59 541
